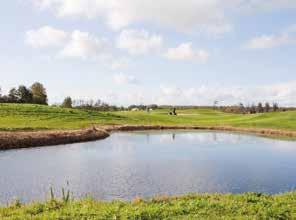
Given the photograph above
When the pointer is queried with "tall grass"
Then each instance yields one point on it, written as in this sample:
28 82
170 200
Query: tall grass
202 206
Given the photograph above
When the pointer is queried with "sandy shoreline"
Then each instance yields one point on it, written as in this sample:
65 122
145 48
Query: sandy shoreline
16 140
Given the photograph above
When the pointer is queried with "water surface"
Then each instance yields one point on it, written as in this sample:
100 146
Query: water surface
150 163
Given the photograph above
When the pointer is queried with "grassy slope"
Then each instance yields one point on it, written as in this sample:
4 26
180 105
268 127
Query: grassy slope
213 206
34 117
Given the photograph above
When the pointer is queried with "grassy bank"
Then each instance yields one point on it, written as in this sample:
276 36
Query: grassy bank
213 206
35 117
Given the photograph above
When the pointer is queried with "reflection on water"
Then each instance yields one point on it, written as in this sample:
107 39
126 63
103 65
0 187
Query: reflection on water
150 163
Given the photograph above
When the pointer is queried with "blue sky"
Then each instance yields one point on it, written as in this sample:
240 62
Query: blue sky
139 51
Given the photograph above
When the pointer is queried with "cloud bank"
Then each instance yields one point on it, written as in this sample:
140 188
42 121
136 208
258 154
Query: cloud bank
286 37
202 16
282 93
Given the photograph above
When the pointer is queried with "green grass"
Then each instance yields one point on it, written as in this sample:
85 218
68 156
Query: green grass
207 206
36 117
214 206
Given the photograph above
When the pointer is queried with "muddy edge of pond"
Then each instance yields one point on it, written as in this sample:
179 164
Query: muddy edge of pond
15 140
258 131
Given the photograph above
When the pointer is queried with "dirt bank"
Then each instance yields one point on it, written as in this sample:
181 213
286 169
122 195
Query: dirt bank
258 131
14 140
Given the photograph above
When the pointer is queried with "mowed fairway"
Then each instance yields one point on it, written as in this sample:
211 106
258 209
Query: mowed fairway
36 117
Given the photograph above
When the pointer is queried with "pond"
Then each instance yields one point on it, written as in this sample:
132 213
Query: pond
145 164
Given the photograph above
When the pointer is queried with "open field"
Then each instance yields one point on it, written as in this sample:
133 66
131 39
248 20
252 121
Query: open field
35 117
212 206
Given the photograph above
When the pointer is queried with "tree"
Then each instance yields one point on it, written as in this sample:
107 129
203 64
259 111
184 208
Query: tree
267 107
1 97
39 93
13 95
98 103
241 108
275 107
260 107
215 104
67 103
153 106
24 95
253 109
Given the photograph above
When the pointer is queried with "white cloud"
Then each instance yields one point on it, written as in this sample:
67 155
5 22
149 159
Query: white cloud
188 15
45 37
185 52
259 5
75 44
81 8
124 79
86 46
267 41
138 42
125 98
205 16
120 63
270 41
282 93
170 91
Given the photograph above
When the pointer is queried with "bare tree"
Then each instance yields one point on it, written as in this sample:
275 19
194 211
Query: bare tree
275 107
267 107
215 104
241 108
253 109
260 107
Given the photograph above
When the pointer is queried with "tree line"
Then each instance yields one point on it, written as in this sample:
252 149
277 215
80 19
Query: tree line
142 107
90 104
253 109
35 94
99 105
240 108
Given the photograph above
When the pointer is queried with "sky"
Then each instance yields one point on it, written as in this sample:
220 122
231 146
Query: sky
189 52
